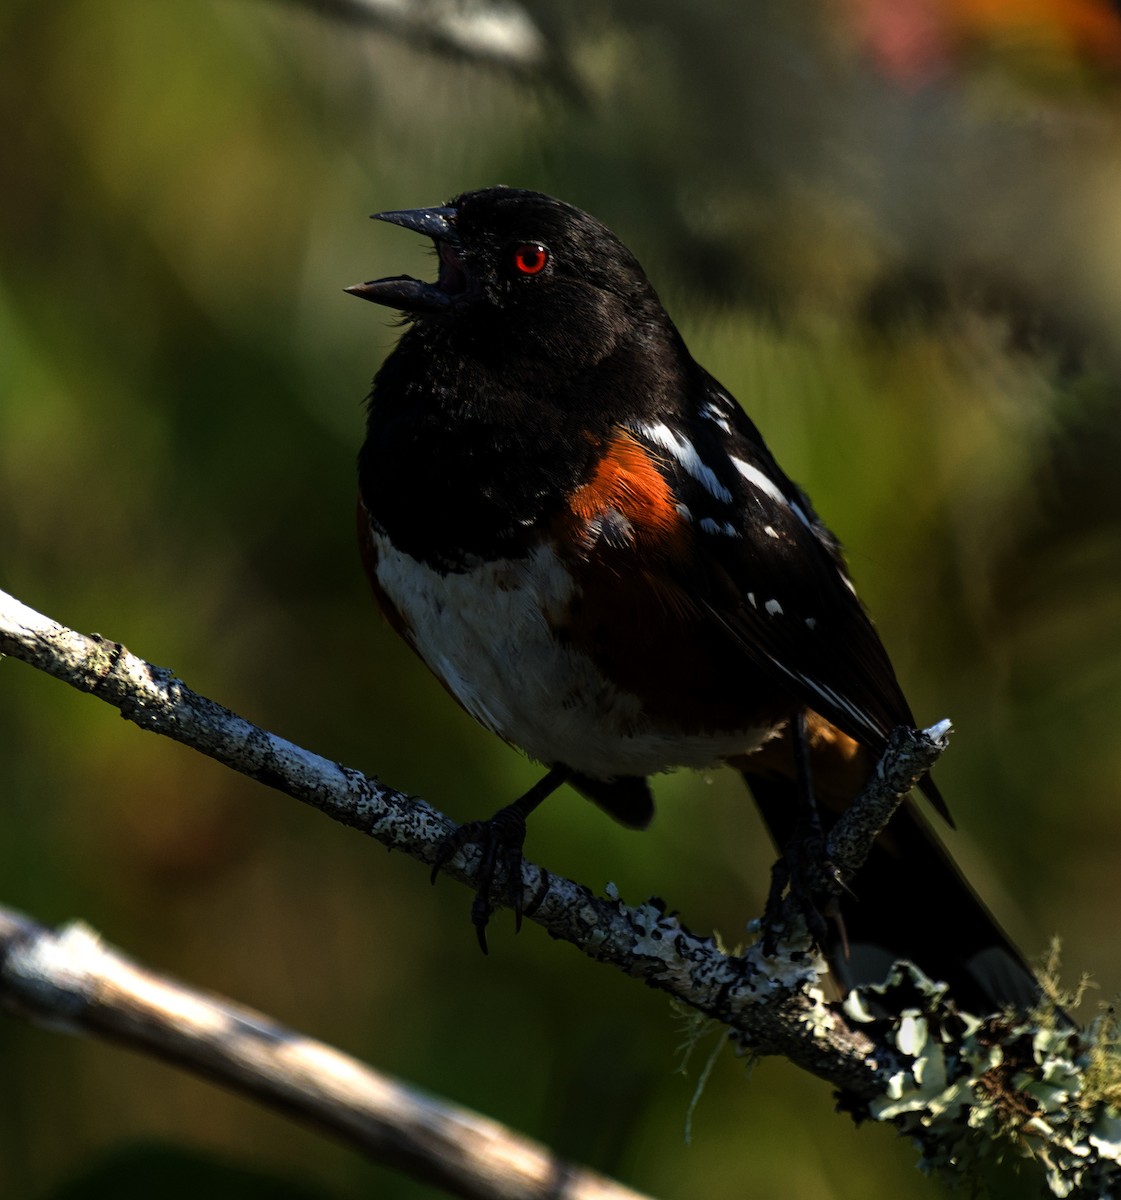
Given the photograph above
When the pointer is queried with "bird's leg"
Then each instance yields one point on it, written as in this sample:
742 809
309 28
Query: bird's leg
803 866
500 840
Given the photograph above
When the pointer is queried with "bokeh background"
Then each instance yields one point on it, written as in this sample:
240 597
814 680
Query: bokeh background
892 228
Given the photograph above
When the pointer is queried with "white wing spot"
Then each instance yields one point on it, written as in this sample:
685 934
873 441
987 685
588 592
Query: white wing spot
774 609
686 454
757 479
811 622
769 530
715 414
751 599
724 529
769 488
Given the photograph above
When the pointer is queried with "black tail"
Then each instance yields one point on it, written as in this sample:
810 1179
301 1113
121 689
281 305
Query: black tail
910 901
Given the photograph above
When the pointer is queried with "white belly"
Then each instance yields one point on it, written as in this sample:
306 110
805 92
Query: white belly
483 633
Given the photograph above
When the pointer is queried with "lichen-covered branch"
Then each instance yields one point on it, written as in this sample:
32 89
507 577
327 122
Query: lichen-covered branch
768 1003
911 753
71 979
942 1078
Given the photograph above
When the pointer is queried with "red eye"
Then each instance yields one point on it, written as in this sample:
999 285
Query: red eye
530 258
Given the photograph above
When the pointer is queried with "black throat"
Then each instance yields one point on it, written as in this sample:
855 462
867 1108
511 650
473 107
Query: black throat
465 460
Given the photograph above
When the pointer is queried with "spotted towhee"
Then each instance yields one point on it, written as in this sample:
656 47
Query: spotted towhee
586 539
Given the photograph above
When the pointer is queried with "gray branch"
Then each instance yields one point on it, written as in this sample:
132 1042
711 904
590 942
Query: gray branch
72 980
911 753
932 1073
496 34
763 1000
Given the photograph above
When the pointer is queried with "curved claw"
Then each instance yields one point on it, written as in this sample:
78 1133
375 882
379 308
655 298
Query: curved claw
804 873
480 916
500 841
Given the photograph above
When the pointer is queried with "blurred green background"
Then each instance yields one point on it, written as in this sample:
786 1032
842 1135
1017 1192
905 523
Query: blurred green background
894 231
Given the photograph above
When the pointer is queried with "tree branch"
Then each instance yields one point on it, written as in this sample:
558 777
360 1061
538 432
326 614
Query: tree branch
958 1085
497 34
70 979
644 941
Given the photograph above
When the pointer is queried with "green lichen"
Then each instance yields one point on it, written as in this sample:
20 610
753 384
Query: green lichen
973 1091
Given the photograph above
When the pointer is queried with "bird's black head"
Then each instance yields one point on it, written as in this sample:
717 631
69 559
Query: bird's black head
544 276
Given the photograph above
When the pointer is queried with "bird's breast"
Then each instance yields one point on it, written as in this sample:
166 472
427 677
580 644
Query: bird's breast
500 636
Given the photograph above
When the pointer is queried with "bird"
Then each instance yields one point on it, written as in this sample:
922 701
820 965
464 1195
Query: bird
585 538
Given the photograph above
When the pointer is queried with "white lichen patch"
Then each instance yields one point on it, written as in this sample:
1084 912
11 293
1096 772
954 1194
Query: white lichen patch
793 966
972 1090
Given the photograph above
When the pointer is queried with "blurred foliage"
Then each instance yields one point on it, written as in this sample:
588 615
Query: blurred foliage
139 1172
893 230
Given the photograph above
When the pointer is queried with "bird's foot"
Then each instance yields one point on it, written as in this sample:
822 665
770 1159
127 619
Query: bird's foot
804 882
500 840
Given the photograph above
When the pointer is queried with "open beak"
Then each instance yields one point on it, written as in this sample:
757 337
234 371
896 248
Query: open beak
413 295
436 223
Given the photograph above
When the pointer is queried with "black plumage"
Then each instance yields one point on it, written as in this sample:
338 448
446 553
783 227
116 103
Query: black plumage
588 541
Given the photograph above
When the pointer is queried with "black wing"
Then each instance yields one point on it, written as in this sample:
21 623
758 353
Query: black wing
774 576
